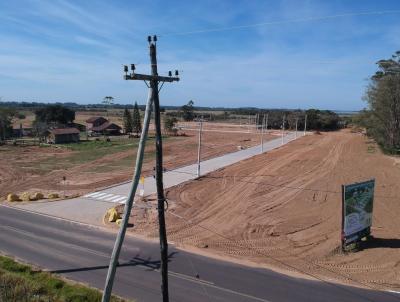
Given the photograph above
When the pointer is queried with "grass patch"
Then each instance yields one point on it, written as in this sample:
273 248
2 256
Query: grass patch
127 162
82 152
88 151
101 144
19 282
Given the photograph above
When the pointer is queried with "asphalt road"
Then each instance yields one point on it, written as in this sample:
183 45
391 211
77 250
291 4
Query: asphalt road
82 253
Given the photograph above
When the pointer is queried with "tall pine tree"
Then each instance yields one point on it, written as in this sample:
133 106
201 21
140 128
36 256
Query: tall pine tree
136 122
128 123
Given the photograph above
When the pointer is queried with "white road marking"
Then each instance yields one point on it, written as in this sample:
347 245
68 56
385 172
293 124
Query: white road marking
114 197
109 197
92 194
104 197
120 199
98 194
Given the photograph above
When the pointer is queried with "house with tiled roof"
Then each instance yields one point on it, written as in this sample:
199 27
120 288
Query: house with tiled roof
63 136
100 125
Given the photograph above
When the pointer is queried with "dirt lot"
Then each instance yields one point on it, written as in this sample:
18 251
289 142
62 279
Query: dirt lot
283 210
90 165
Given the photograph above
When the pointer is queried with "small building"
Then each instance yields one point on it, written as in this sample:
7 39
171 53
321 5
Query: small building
107 128
94 122
20 131
63 135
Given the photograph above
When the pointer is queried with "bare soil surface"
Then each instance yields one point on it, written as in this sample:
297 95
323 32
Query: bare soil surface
282 210
34 168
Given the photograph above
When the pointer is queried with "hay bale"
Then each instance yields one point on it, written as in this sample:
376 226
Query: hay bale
37 196
53 196
26 196
112 215
12 197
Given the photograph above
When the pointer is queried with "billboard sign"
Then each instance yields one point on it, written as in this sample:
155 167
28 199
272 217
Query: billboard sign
357 205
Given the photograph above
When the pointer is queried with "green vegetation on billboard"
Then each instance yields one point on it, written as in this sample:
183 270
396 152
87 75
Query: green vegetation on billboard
357 208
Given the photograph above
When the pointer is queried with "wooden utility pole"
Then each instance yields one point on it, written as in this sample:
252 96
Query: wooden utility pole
159 168
159 184
153 80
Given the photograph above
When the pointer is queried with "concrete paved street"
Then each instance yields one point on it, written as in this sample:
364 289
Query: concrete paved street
82 253
91 208
180 175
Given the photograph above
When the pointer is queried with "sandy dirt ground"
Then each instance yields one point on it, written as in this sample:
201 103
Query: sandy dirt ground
33 168
282 210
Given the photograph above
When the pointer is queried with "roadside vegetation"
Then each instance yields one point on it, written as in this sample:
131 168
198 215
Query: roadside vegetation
382 117
19 282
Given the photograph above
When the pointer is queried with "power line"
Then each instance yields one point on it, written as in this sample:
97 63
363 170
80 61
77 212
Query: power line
298 20
270 184
289 187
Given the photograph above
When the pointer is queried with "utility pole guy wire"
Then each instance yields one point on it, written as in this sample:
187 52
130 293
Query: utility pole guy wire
129 203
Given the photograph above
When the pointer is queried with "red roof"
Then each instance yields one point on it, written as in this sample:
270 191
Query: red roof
94 118
105 126
60 131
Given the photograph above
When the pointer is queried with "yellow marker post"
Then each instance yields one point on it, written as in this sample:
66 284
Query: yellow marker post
141 181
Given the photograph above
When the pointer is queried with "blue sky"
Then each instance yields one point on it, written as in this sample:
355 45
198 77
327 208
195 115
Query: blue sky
60 50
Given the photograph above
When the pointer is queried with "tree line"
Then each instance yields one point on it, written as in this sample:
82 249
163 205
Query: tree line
319 120
58 114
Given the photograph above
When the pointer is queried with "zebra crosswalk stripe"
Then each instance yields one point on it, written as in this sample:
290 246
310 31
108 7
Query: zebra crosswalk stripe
91 194
111 198
104 197
120 199
107 197
98 194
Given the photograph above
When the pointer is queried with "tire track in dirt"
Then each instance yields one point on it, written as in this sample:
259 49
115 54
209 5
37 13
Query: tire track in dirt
298 226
